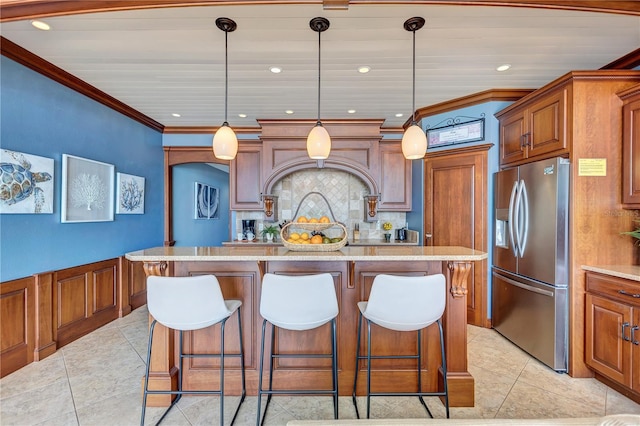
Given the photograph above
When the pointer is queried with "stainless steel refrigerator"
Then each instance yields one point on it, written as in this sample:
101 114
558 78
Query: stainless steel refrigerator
530 272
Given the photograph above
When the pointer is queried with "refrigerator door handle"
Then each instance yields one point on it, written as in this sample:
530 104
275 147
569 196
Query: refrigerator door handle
517 218
512 218
524 236
528 287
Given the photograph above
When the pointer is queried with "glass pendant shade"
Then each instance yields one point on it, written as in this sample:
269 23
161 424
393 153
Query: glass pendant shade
225 143
414 143
318 143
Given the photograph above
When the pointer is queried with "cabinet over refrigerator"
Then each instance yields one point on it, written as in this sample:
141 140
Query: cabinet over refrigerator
530 258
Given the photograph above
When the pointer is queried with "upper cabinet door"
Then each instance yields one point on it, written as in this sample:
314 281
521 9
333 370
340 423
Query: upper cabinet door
245 178
631 153
547 118
395 178
512 137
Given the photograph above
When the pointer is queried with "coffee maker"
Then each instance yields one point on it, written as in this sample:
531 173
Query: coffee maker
249 229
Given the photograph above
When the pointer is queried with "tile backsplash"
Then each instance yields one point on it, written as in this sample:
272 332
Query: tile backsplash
343 191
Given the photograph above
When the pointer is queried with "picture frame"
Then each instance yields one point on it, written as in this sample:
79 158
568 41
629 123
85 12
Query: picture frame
456 133
26 183
130 194
87 190
207 201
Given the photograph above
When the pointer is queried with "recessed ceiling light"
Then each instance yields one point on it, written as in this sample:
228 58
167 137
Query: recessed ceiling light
351 111
175 114
399 114
503 67
275 70
242 115
289 111
41 25
364 69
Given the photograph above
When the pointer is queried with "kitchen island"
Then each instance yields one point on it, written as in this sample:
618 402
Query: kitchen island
240 270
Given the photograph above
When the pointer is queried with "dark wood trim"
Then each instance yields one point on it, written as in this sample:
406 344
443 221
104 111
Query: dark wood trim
17 310
39 65
491 95
13 10
44 329
627 62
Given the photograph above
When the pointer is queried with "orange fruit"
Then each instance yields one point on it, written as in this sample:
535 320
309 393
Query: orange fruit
303 219
316 239
324 219
313 220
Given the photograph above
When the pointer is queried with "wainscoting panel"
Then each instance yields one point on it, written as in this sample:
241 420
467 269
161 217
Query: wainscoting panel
17 333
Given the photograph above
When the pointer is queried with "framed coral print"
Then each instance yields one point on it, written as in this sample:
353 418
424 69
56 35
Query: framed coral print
129 194
26 183
207 200
87 190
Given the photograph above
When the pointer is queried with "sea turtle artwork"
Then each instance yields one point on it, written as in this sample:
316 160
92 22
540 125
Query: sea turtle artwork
21 184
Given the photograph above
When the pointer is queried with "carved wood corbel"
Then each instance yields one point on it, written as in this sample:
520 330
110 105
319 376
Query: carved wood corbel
459 274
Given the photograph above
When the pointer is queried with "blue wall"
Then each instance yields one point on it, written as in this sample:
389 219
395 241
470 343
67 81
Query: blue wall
41 117
188 231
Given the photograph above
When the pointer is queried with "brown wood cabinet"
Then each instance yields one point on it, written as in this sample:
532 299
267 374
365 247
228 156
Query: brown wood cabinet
535 129
631 147
455 213
394 178
589 124
613 331
245 177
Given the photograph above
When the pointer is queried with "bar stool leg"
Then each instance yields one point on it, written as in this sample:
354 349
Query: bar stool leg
419 357
242 374
444 369
259 418
358 357
334 367
146 376
368 367
222 328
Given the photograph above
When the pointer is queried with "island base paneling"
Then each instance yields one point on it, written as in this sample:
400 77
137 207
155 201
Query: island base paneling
353 279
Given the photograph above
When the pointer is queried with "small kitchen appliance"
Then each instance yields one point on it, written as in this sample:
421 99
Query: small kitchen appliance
249 229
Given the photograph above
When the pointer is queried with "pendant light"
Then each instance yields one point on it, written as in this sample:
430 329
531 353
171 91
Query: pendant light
414 141
318 140
225 142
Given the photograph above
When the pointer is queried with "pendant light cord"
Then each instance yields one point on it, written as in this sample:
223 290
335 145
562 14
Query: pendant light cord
319 67
226 76
413 106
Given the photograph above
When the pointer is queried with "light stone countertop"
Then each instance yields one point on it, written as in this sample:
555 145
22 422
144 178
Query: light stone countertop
276 253
630 272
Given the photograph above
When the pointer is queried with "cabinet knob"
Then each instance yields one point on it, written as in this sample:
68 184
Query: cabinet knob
633 335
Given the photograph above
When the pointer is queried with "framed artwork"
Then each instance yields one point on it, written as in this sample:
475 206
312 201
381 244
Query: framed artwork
129 194
26 183
207 200
455 133
87 190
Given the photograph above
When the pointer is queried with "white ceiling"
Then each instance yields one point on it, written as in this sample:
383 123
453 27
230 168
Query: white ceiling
171 60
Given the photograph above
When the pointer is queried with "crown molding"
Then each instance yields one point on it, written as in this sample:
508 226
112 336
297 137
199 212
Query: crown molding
22 56
13 10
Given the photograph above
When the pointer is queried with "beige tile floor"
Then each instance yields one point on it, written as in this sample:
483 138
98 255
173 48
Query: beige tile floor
96 381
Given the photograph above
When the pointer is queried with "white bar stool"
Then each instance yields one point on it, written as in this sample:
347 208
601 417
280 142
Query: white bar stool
191 303
300 302
403 303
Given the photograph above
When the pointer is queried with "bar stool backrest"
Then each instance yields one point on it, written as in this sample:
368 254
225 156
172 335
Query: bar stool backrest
186 303
405 303
298 302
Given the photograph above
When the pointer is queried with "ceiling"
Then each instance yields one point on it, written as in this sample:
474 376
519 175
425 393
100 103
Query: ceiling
171 60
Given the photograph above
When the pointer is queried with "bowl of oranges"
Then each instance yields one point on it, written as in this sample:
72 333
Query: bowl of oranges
313 234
